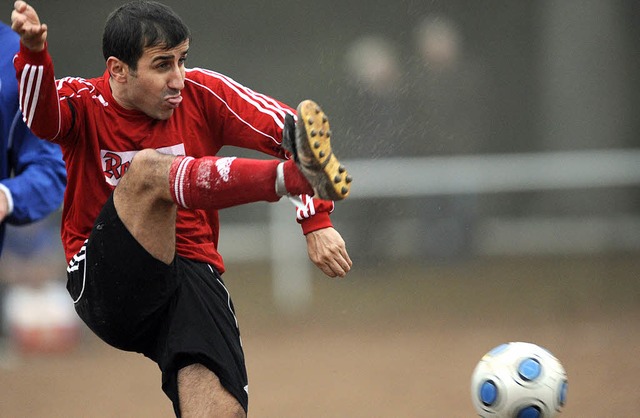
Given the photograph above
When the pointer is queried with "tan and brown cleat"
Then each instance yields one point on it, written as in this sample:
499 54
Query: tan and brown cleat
329 179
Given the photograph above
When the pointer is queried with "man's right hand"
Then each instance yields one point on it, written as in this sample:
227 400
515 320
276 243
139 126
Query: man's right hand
25 22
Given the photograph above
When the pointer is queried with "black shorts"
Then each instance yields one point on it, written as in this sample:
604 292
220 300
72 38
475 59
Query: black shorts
177 315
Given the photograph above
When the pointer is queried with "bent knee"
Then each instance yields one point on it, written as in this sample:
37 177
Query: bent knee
148 171
149 160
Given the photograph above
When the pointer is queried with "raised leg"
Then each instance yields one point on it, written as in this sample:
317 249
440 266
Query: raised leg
144 204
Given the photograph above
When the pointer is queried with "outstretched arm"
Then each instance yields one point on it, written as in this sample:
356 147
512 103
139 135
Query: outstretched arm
42 108
26 23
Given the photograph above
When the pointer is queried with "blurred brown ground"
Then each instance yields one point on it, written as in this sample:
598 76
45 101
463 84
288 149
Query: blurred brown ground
389 341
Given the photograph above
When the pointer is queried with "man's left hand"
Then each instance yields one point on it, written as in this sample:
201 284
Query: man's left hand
328 251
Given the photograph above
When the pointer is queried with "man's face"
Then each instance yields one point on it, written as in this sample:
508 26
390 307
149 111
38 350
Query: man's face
154 88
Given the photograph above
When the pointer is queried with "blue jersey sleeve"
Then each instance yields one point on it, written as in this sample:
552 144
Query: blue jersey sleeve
39 176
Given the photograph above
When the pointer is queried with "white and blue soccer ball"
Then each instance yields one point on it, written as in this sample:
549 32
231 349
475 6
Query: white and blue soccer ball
519 380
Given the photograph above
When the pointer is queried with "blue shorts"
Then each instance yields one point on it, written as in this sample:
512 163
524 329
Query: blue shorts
177 314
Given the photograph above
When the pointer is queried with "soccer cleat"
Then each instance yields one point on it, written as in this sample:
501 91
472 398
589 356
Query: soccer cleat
313 154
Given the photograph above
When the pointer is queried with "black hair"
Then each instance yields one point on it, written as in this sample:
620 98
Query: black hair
141 24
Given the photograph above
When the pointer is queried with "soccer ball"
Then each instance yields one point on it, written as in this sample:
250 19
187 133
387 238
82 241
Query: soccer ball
519 380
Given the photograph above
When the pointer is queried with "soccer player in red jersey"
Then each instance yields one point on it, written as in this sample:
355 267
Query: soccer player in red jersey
140 218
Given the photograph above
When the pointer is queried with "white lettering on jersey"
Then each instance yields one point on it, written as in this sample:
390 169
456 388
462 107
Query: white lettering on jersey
116 163
305 207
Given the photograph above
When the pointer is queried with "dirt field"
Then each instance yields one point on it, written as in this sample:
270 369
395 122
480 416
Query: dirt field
387 342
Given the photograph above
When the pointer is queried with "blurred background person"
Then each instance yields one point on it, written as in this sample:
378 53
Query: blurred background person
450 90
32 173
450 97
374 78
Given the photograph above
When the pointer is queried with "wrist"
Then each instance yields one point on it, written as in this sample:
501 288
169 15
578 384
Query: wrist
6 200
318 221
33 55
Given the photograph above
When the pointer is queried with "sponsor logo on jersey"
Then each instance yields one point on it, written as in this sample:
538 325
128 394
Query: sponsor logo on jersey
116 163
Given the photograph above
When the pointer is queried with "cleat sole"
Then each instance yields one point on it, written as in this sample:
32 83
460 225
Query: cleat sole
329 178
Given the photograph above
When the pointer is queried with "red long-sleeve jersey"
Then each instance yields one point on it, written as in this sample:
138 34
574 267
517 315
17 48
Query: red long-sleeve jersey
99 138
